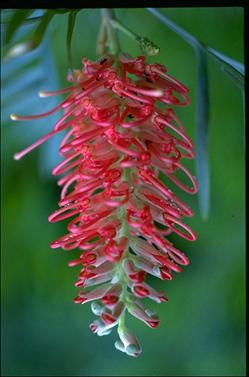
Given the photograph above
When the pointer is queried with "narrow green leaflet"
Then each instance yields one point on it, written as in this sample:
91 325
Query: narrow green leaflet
177 29
239 67
234 69
202 115
70 28
16 20
42 27
29 43
64 10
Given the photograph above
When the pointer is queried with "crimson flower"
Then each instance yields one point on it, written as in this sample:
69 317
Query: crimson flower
122 133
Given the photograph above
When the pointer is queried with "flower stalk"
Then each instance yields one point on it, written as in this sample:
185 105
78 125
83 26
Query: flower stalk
108 16
145 44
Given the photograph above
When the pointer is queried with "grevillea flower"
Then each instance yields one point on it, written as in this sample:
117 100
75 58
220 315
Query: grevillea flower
122 132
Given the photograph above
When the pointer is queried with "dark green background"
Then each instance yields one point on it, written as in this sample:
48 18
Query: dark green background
202 330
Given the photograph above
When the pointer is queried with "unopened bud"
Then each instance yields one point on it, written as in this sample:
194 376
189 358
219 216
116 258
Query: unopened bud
97 308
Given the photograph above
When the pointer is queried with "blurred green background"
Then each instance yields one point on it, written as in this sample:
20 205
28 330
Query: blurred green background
202 329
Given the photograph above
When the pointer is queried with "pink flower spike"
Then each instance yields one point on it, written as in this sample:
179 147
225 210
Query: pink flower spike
122 136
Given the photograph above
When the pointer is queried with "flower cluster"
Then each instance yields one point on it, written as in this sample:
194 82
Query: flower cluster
122 132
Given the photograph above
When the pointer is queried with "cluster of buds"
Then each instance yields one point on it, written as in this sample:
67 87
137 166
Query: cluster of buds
122 132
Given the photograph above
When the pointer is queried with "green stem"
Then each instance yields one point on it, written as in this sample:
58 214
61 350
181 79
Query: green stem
121 323
118 25
123 232
102 38
146 45
108 16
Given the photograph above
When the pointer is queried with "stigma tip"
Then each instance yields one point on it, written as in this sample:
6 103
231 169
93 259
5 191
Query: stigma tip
13 116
